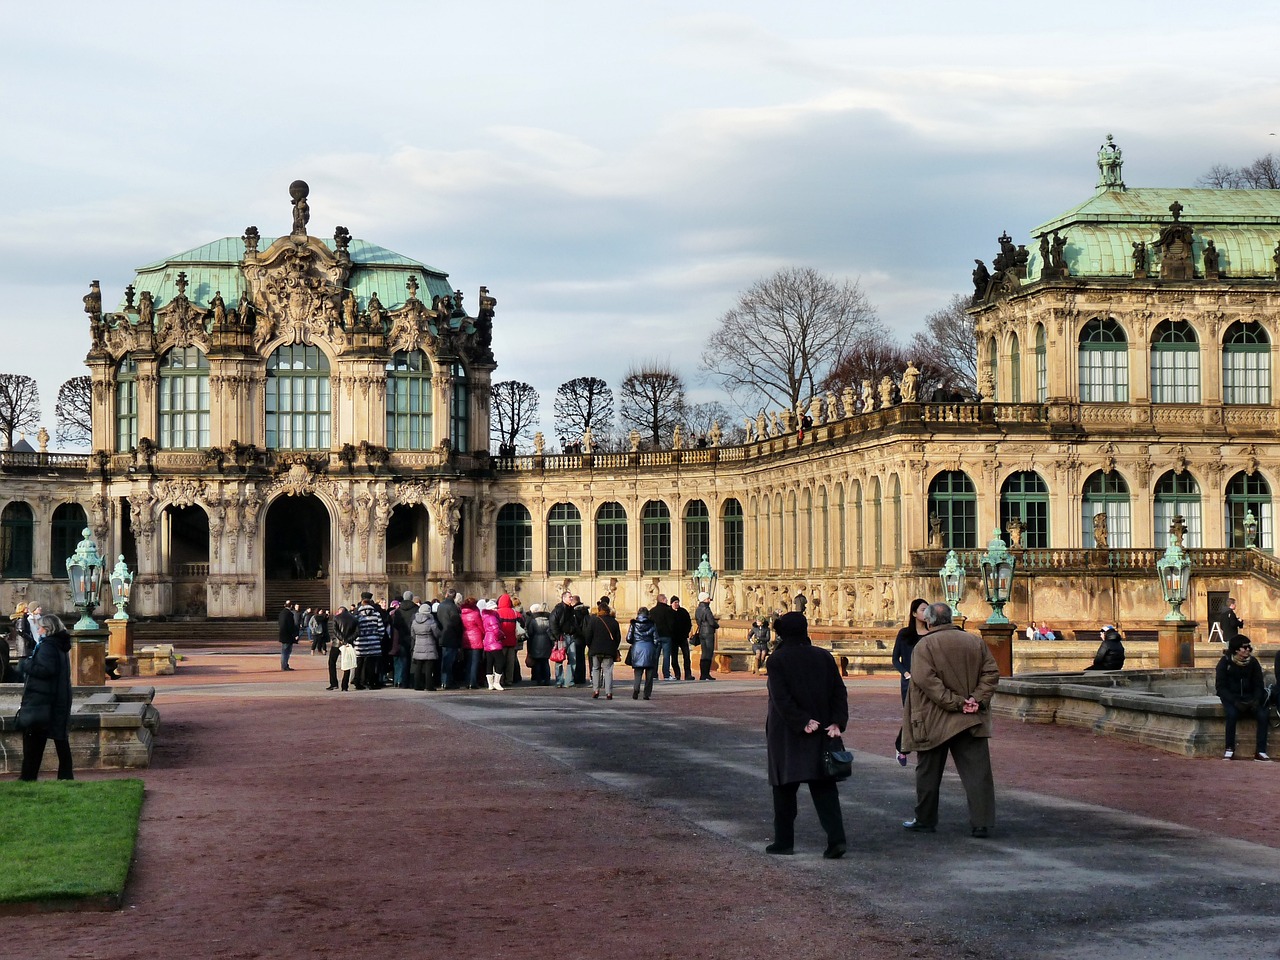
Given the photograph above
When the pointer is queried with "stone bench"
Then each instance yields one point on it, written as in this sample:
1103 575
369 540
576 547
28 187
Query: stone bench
158 660
109 728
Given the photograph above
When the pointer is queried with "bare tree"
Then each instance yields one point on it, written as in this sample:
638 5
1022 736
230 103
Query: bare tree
785 334
1262 174
19 405
652 400
581 403
74 411
949 343
874 358
514 409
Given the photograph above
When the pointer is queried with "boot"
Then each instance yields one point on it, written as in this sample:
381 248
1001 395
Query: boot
489 677
497 681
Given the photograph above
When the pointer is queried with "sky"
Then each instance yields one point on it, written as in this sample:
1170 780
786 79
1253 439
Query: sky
616 174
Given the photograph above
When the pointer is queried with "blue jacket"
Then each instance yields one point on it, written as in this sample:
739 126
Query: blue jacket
643 638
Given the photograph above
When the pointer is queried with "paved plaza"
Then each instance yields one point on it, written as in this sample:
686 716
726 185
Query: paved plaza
282 820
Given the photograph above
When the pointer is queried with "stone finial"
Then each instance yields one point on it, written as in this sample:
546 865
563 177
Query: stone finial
412 286
634 437
539 443
251 238
341 239
181 283
93 300
43 439
1175 208
1109 166
128 297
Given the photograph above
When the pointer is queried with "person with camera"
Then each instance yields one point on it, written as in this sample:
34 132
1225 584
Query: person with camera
1239 684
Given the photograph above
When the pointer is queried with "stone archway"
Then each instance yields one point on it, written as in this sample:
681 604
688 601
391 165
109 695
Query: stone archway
297 541
186 558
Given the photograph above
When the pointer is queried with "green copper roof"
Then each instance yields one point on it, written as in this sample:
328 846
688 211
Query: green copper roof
1244 225
215 267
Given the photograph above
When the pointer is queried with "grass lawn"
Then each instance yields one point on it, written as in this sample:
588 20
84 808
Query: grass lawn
67 840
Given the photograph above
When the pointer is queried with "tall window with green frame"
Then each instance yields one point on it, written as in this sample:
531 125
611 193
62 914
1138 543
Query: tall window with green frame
1025 496
1175 363
1015 370
513 540
734 555
1103 362
953 499
17 540
1249 493
65 531
655 537
1246 364
697 534
1107 494
409 401
460 409
611 538
1176 494
1042 366
298 399
184 399
564 539
126 404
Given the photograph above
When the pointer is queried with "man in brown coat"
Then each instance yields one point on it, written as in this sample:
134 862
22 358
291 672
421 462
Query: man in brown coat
953 676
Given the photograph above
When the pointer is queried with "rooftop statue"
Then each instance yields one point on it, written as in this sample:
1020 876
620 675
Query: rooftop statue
1210 261
1140 259
909 378
298 190
1109 164
981 279
93 300
250 239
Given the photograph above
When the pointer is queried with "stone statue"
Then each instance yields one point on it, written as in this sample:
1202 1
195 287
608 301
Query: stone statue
910 376
374 311
245 310
715 433
848 402
1045 258
935 531
1276 258
250 238
146 309
761 429
539 443
1100 530
749 429
774 429
886 393
1015 528
219 308
350 310
93 300
981 277
634 438
43 439
1210 261
1140 258
868 404
1178 529
833 411
586 440
677 438
1060 254
298 191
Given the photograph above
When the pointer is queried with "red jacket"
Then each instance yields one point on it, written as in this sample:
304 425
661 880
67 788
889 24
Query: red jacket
509 618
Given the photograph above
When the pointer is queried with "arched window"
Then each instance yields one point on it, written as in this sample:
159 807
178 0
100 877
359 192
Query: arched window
184 400
409 401
1042 366
697 534
1107 494
564 539
1026 497
877 524
791 550
841 528
1104 362
1176 494
1015 370
514 540
993 367
611 538
806 526
1246 365
734 547
298 403
127 404
954 501
858 533
1175 363
824 528
459 409
17 541
1249 494
69 523
655 537
895 518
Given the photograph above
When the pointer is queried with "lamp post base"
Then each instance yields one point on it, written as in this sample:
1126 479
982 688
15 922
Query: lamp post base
1177 644
999 638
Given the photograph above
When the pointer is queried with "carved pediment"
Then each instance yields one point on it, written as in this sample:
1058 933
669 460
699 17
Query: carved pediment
296 288
182 324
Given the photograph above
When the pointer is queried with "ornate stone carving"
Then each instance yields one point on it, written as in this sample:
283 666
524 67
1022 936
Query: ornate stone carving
294 288
1174 247
142 516
177 493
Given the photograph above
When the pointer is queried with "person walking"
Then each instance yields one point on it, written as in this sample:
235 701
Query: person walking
45 710
903 645
287 633
1240 686
707 627
808 711
681 631
953 677
1230 621
758 636
604 639
644 653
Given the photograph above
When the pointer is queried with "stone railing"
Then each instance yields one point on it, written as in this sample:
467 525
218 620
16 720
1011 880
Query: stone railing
1113 560
24 460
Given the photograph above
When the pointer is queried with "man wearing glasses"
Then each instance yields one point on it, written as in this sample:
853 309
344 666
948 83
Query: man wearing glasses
1240 687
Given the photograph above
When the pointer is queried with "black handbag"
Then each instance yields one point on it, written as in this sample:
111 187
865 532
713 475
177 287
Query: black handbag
837 762
31 716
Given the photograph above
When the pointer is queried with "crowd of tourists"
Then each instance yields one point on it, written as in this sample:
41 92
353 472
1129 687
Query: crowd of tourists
450 642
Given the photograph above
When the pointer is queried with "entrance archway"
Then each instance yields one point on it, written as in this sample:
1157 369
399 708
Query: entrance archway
407 548
296 553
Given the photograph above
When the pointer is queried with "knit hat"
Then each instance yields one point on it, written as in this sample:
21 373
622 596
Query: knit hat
704 597
790 626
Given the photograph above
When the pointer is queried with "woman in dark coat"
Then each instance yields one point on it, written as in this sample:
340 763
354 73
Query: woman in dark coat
903 645
808 710
1110 655
47 693
538 645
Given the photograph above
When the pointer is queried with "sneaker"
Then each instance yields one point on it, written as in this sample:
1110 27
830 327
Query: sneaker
1228 755
902 759
1261 757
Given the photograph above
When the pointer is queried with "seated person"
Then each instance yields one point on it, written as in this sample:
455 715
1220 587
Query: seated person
1110 655
1239 684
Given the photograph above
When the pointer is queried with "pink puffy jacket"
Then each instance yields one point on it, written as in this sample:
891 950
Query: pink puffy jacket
492 630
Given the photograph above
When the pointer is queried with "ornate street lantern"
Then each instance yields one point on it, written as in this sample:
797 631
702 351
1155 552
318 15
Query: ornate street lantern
997 577
704 579
1250 529
84 571
121 584
952 576
1174 573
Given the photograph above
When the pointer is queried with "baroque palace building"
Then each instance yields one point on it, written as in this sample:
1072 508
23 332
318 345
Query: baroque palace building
309 417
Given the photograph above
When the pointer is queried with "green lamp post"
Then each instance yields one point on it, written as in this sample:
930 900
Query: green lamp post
84 571
704 579
121 583
1174 572
952 576
998 566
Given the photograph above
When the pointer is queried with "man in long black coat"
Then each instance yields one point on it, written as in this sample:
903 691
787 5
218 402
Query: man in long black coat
808 710
450 619
288 633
